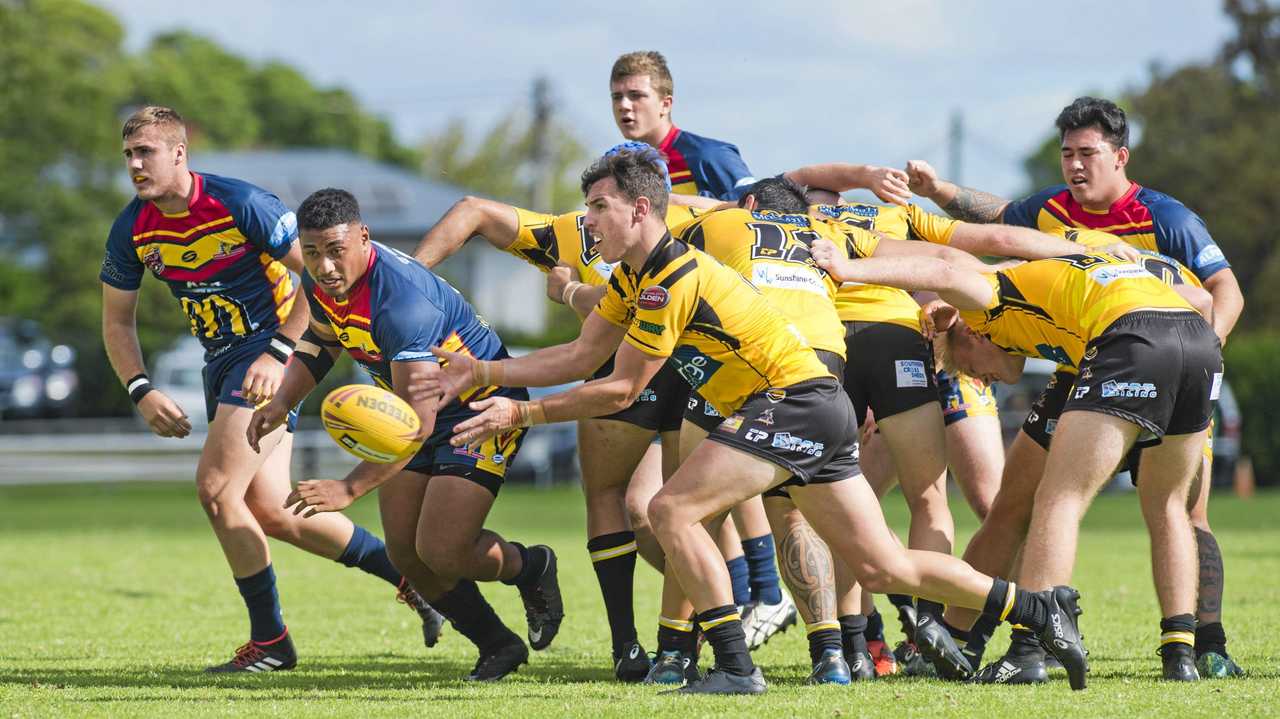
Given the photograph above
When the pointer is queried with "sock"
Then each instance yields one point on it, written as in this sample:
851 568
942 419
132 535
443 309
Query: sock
368 553
853 634
469 613
960 635
1006 602
1178 629
926 607
981 631
1023 644
823 636
677 635
723 628
260 597
533 562
900 600
613 556
1211 637
875 627
762 569
740 578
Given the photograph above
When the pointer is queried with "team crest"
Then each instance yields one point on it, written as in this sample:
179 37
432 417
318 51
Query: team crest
153 260
653 298
766 417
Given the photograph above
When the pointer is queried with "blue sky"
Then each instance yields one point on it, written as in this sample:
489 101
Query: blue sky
860 81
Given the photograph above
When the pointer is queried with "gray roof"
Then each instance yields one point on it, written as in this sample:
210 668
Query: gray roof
393 201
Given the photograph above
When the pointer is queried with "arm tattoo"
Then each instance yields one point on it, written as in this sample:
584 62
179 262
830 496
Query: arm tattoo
972 205
809 573
1209 605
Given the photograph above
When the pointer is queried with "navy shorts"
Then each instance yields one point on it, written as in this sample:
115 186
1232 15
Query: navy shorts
224 372
485 465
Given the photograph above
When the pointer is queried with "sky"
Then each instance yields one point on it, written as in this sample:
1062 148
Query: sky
872 82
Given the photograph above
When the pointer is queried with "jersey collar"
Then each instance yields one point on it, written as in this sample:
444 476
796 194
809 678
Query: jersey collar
665 146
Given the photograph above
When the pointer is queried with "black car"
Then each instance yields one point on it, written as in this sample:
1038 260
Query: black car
37 377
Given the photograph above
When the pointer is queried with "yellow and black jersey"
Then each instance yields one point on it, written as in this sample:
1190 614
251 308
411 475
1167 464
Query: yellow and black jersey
1052 308
546 240
772 250
900 223
1169 270
719 332
858 302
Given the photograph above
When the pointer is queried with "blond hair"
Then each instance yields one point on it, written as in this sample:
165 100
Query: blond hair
645 62
165 118
943 358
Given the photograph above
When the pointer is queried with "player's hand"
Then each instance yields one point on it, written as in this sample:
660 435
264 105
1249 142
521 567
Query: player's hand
264 421
558 280
1124 251
320 495
827 256
457 373
922 179
937 317
889 184
164 415
497 414
262 379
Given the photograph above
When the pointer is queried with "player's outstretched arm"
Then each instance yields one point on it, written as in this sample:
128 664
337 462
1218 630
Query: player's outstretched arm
962 288
889 247
494 221
120 336
888 183
578 296
962 203
1011 241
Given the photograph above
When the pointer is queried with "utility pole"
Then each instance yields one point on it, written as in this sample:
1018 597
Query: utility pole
955 148
540 182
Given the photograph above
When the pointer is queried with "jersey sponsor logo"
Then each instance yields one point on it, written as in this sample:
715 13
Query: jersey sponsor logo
708 410
787 278
1081 391
1215 389
765 418
756 435
695 367
647 395
781 217
653 298
190 256
111 271
410 355
1049 426
652 328
1112 388
792 443
285 230
910 373
1106 274
732 424
1209 256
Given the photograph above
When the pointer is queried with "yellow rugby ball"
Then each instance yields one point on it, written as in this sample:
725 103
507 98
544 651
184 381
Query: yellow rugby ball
371 423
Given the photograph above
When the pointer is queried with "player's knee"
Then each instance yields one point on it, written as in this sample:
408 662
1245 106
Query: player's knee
664 513
276 524
402 555
444 558
638 515
213 497
887 572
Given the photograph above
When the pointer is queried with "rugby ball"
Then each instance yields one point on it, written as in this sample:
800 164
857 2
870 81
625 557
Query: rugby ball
371 423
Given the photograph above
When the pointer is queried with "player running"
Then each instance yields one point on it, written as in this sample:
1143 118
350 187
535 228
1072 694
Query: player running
225 249
388 312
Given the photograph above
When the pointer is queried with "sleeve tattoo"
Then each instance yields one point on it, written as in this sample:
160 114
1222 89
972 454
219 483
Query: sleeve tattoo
972 205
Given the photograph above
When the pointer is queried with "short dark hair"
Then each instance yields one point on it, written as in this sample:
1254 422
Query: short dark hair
1089 111
638 174
327 208
779 194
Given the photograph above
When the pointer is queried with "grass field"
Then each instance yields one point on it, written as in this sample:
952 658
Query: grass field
113 596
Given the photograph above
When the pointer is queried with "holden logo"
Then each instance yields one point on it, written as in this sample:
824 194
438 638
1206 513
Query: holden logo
653 298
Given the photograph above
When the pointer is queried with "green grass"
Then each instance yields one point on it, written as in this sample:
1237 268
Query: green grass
113 596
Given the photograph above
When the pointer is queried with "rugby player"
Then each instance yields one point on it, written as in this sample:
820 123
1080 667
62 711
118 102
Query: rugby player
1149 367
225 249
1098 194
641 89
388 312
750 364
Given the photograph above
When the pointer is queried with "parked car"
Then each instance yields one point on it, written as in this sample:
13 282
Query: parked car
37 377
177 372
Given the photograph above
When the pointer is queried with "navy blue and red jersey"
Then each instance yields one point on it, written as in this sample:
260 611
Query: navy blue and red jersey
1144 218
397 312
220 257
703 166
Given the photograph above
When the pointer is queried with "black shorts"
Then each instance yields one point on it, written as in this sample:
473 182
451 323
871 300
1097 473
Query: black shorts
1042 420
890 369
702 414
1159 370
808 428
660 406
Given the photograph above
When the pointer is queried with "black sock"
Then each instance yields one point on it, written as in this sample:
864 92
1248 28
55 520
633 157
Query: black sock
1178 629
723 628
900 600
981 631
533 562
613 556
1211 637
1007 603
875 627
469 613
853 634
823 636
263 603
368 553
1024 644
927 607
960 635
677 635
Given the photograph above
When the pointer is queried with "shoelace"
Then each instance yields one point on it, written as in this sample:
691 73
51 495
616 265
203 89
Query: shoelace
247 654
411 597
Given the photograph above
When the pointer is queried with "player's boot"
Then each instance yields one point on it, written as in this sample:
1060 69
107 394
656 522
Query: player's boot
1179 663
274 656
631 664
1061 633
432 621
499 661
543 606
1023 663
673 667
885 662
831 668
1212 665
861 666
907 618
718 682
911 662
761 621
938 646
